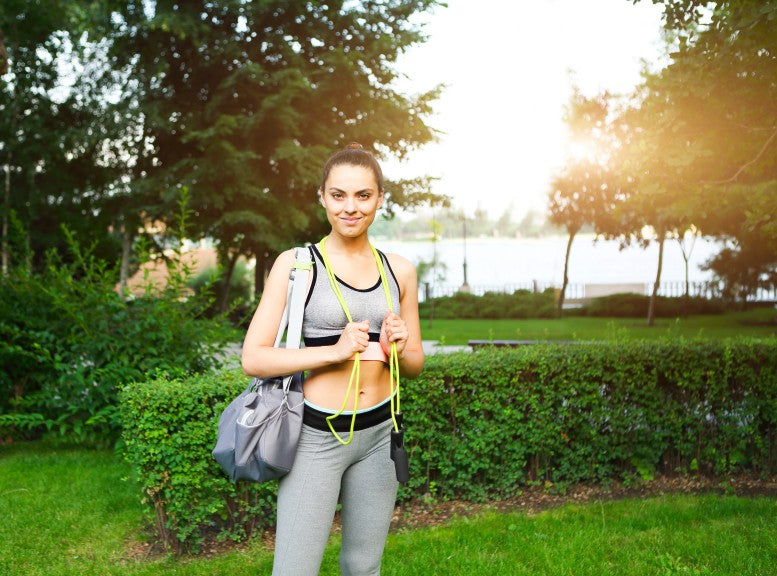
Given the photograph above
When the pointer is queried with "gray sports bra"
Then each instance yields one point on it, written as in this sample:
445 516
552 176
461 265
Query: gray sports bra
324 319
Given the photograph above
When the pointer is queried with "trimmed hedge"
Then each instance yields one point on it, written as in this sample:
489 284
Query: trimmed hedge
519 304
482 425
169 431
527 304
636 306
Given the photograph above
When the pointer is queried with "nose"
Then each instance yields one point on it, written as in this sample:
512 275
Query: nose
350 204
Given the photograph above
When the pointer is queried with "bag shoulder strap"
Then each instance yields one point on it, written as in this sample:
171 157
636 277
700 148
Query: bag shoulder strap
298 283
295 306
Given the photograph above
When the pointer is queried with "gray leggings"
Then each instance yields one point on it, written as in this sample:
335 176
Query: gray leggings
362 475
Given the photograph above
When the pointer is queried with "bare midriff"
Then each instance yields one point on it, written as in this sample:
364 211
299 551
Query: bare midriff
326 387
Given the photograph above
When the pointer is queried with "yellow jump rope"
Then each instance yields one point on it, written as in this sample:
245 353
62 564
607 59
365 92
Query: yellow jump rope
355 372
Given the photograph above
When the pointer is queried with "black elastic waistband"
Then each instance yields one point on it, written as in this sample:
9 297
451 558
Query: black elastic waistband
342 423
313 341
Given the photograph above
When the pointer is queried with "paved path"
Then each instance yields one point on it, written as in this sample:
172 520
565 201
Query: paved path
431 347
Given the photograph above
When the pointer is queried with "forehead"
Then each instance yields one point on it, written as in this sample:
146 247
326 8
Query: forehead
350 177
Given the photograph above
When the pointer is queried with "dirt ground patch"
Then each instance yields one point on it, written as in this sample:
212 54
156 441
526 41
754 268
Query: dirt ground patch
533 500
539 498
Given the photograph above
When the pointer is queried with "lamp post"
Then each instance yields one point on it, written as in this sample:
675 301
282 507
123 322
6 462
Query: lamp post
465 285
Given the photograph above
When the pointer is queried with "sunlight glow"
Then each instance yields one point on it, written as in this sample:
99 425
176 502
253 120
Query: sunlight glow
508 69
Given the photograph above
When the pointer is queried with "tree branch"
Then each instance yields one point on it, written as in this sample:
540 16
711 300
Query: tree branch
750 163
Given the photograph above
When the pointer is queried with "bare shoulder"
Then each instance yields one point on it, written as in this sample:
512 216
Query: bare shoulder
282 265
285 259
402 267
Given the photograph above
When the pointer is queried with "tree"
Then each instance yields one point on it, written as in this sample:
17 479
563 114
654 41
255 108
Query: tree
719 93
686 241
583 192
51 132
243 102
579 194
652 161
748 259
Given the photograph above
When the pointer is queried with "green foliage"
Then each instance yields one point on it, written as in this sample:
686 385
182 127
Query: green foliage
744 271
169 431
107 105
248 129
69 343
519 304
482 425
677 160
636 305
239 291
52 130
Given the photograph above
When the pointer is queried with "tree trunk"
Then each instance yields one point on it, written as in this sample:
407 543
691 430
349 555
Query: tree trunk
259 273
6 254
126 252
566 269
687 294
231 262
657 283
3 56
6 214
687 260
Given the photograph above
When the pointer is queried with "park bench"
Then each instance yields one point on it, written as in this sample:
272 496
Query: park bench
474 344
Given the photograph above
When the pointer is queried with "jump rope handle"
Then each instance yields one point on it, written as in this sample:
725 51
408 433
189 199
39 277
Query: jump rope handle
398 452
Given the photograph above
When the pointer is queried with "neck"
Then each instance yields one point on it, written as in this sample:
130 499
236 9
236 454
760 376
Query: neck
358 245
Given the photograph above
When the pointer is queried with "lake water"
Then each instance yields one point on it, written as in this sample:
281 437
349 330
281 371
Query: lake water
498 262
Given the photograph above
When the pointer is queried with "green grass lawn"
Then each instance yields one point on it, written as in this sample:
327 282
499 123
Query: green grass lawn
67 511
758 323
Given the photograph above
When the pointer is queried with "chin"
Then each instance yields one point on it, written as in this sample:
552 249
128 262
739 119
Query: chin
352 232
357 230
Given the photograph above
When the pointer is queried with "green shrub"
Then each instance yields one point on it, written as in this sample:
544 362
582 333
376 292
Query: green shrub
68 343
169 431
483 425
211 280
519 304
636 306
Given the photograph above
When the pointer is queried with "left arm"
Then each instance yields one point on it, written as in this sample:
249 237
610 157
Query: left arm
405 329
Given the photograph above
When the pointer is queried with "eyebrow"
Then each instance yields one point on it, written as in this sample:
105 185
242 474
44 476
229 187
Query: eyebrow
336 189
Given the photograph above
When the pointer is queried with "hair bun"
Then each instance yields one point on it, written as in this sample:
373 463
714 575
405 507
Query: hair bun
354 146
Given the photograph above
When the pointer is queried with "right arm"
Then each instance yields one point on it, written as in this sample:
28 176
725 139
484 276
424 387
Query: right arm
262 360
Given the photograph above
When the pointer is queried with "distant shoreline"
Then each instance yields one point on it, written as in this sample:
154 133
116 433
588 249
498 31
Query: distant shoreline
496 261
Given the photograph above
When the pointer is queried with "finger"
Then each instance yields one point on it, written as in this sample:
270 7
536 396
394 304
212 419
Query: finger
358 343
398 337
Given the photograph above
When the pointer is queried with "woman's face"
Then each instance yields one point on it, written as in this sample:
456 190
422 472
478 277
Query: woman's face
351 199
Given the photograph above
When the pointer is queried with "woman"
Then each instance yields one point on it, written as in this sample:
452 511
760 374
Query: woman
341 455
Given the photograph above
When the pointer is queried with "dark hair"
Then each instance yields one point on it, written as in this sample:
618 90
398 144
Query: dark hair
354 155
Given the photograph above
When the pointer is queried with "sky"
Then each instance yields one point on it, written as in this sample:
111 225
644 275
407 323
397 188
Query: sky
509 67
